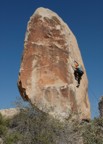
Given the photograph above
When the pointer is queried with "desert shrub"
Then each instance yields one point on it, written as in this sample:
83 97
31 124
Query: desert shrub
3 125
37 127
3 121
12 138
93 132
3 130
8 136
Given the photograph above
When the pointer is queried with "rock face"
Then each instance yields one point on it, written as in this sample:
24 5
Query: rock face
10 113
101 106
46 76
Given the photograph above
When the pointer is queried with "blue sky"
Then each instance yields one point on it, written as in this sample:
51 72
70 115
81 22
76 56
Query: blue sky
85 19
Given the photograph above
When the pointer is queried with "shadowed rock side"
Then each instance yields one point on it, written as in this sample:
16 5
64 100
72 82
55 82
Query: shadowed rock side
46 76
100 105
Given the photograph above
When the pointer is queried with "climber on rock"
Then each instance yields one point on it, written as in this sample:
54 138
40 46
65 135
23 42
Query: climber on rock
78 72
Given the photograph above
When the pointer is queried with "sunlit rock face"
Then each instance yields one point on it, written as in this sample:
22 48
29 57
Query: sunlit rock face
9 113
46 76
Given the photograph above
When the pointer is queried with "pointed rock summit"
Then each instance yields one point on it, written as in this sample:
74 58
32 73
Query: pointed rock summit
46 76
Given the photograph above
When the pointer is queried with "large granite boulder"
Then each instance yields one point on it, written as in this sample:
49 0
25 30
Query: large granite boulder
46 76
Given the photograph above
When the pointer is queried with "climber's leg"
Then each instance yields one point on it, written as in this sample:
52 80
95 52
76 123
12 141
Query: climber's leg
79 79
76 75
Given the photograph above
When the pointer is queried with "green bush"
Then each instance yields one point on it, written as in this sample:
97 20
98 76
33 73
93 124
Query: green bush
3 121
3 130
8 136
12 138
3 125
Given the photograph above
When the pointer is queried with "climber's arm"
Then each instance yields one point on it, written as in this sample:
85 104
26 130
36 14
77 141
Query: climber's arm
73 68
